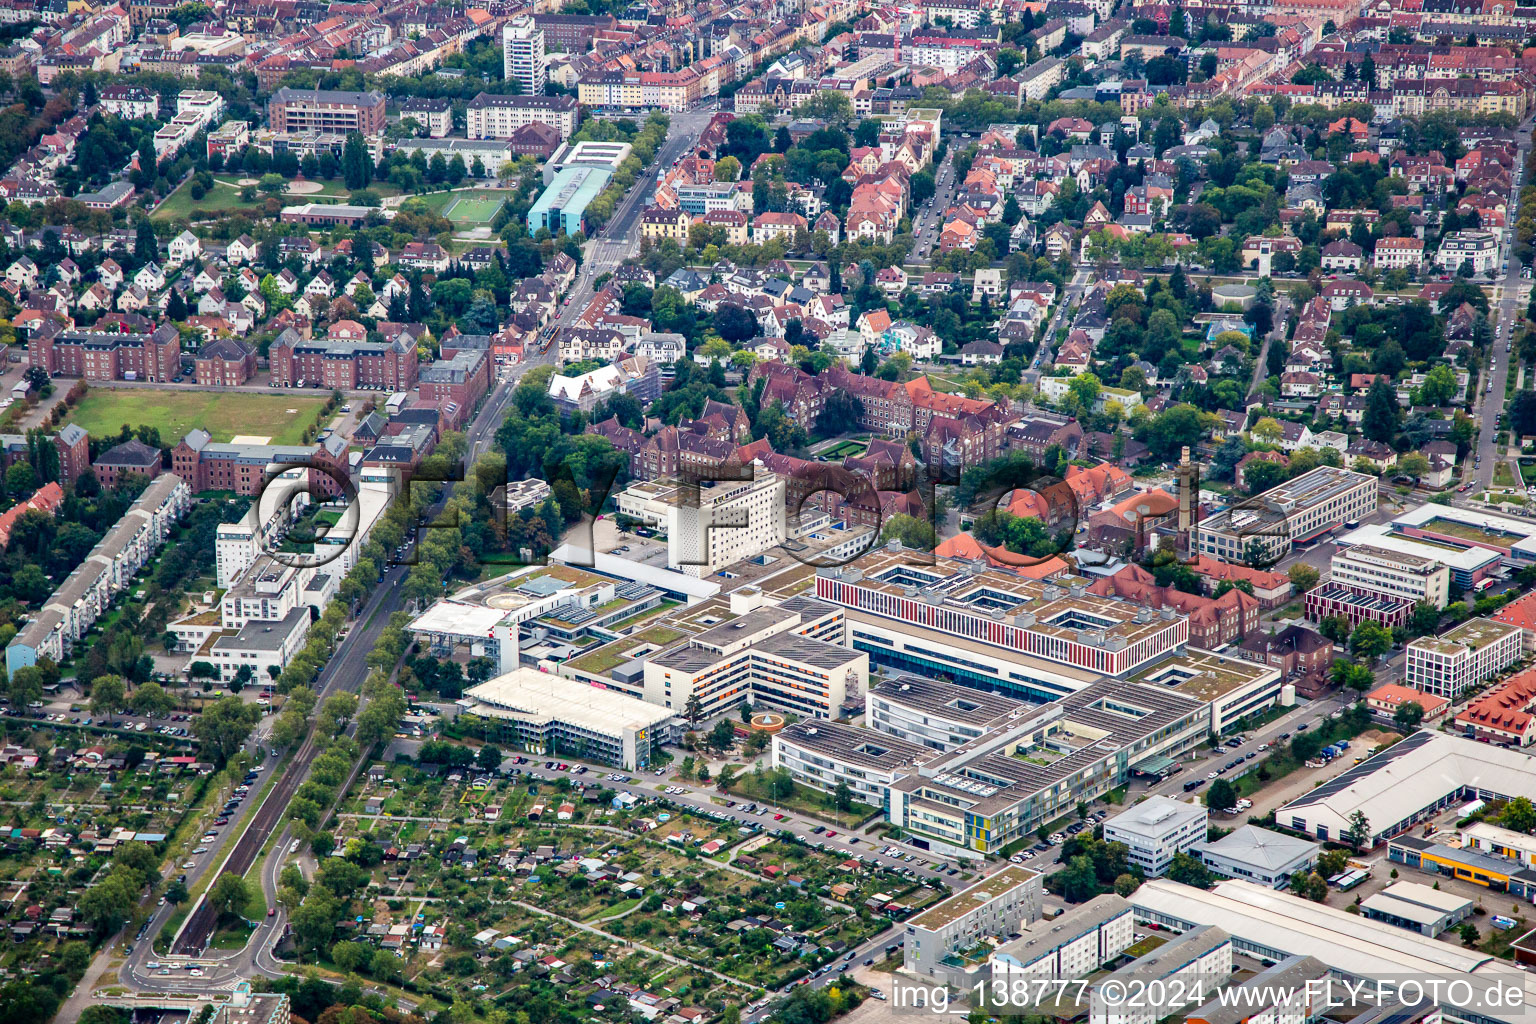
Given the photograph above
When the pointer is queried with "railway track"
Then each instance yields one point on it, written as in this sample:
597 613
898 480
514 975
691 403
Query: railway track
344 673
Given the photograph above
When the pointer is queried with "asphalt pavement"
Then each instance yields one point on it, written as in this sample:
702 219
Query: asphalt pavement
1509 312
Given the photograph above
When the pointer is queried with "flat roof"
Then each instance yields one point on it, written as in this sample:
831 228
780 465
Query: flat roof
1260 916
455 618
527 693
983 892
1409 561
1458 559
263 634
1156 816
1415 892
1474 634
613 567
1094 725
1471 525
1059 609
1276 504
1204 675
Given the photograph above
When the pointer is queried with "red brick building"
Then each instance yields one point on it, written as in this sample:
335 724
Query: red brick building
343 365
97 355
131 457
245 468
1212 621
1303 656
457 383
74 447
225 362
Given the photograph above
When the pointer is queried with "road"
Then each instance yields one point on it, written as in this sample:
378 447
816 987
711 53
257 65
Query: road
1276 333
619 238
1509 312
346 672
1064 307
928 222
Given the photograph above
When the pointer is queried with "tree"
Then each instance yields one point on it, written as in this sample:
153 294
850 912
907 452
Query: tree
1309 886
107 694
1370 640
224 725
1221 796
106 905
721 736
842 796
1358 834
1408 715
1188 870
728 168
489 757
351 957
1334 627
1522 412
1382 412
1468 933
151 699
1424 619
146 246
1078 882
228 894
1303 577
356 167
1519 815
736 323
693 710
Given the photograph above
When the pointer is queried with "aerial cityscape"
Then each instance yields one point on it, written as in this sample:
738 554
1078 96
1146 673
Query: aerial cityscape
682 512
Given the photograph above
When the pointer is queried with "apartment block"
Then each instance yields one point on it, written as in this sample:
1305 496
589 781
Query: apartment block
107 571
499 117
326 110
522 51
1448 664
1072 945
998 905
1187 962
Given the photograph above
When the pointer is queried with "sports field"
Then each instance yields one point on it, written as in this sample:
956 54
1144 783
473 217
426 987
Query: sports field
473 208
224 414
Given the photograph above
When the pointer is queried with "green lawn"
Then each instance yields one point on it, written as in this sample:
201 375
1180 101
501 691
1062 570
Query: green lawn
284 417
473 208
470 208
225 198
